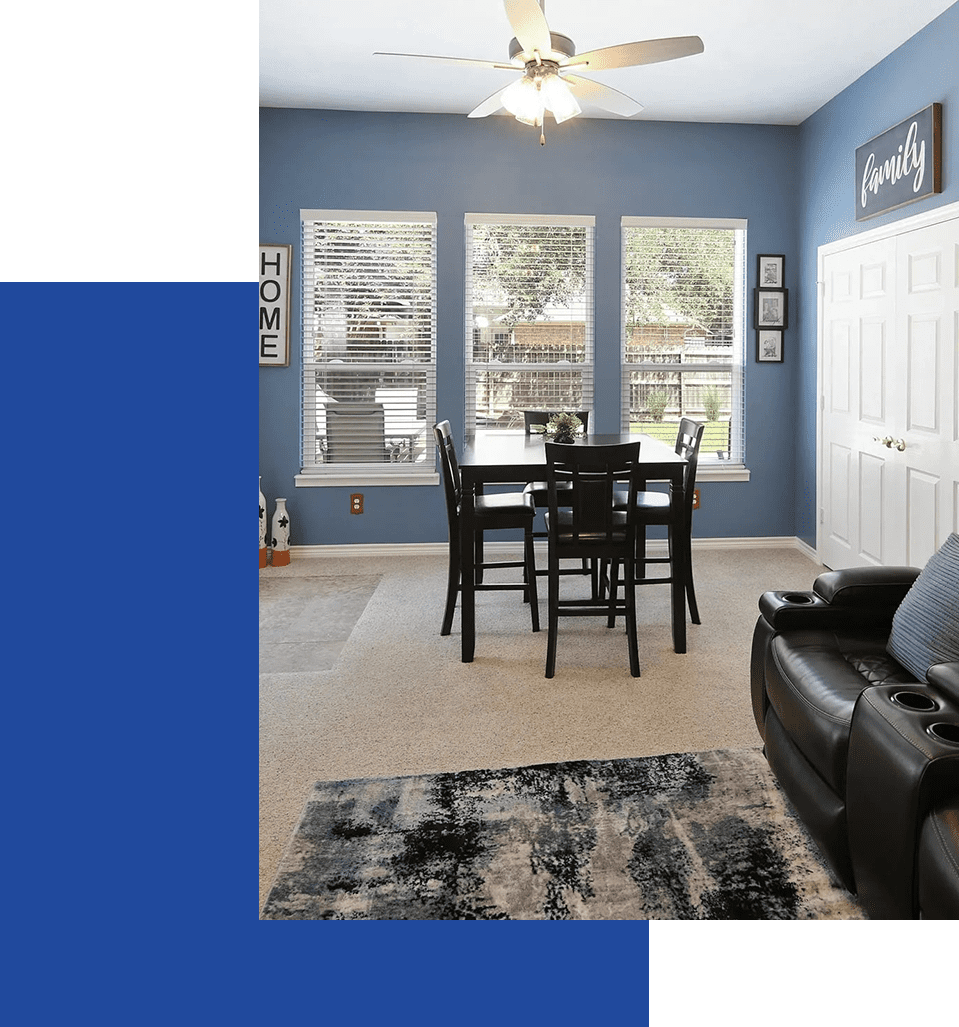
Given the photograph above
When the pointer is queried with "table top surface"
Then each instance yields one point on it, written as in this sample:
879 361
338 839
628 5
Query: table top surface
497 452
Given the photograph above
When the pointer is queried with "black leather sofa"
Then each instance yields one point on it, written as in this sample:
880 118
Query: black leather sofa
855 691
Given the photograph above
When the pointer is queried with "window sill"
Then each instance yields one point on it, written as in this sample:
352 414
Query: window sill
721 471
360 475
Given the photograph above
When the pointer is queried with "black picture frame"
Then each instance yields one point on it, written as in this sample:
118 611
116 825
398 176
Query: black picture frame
770 308
769 346
771 271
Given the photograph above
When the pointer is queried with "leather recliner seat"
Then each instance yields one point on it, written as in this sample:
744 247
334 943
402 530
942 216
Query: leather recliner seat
828 702
938 863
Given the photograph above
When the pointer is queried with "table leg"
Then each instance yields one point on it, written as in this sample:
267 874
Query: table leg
679 568
467 571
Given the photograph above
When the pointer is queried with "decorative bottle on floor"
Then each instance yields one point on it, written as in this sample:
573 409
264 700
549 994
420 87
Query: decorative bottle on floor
262 525
281 535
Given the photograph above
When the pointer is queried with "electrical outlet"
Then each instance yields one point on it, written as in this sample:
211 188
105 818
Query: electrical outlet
695 499
356 502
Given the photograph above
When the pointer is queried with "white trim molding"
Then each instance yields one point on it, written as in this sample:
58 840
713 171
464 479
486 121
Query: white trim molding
390 550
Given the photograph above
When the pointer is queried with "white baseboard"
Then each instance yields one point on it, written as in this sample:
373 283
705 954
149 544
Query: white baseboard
497 549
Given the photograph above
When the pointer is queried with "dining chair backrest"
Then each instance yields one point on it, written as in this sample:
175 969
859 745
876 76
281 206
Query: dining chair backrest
354 433
543 417
451 472
586 477
688 440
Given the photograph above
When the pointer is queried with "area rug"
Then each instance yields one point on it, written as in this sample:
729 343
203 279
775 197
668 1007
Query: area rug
688 836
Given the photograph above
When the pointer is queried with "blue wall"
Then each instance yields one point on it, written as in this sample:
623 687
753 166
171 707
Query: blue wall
924 70
452 165
793 184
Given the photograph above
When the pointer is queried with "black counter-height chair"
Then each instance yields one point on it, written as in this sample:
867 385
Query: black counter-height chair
582 523
538 489
654 508
539 419
533 419
492 512
536 418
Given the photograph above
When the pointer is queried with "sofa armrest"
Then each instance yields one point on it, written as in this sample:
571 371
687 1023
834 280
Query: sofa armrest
945 678
860 597
879 588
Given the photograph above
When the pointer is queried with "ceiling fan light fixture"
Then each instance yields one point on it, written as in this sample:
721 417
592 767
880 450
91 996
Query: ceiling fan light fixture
522 99
544 54
559 99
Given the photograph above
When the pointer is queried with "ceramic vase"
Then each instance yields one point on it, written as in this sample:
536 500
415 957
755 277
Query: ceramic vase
262 525
281 535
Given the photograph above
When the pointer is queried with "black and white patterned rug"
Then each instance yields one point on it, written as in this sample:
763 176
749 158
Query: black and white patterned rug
689 836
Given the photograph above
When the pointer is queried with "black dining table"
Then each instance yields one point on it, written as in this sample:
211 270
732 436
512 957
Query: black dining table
508 457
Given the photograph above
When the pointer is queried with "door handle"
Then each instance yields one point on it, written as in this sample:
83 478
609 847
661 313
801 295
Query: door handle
900 444
887 441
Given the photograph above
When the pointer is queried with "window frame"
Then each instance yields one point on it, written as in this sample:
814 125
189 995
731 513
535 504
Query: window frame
366 474
709 468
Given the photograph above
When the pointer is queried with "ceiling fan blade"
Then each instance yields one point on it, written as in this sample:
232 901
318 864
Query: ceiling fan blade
628 55
451 60
529 25
489 106
603 96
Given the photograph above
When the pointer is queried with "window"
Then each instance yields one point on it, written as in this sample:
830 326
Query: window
684 287
529 317
369 347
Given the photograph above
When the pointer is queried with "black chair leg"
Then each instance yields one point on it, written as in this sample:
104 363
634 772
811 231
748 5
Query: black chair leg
452 587
613 592
529 576
552 626
690 591
478 559
641 551
631 628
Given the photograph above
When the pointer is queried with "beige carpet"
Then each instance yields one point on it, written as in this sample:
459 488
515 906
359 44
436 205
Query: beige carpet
395 699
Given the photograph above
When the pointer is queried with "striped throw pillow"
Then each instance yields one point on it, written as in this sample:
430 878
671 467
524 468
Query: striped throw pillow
925 628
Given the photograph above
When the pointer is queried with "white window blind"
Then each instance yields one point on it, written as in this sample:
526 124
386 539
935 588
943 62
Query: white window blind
684 287
529 317
369 341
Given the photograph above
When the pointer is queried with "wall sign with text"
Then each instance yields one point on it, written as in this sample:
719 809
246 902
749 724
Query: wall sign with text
901 165
274 335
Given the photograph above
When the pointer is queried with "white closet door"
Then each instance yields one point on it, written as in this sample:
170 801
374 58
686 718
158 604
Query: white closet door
889 373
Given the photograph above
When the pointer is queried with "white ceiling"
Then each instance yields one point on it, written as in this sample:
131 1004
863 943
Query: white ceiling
765 61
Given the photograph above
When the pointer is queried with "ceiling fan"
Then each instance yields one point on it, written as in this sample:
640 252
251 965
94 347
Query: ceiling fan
546 57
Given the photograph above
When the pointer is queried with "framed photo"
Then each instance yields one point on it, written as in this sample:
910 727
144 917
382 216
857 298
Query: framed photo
770 271
770 310
769 346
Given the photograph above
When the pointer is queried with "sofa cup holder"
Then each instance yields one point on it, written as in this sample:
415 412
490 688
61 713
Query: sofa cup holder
945 732
798 598
915 701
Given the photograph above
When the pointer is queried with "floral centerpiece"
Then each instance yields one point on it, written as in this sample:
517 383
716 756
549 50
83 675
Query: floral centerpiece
563 427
